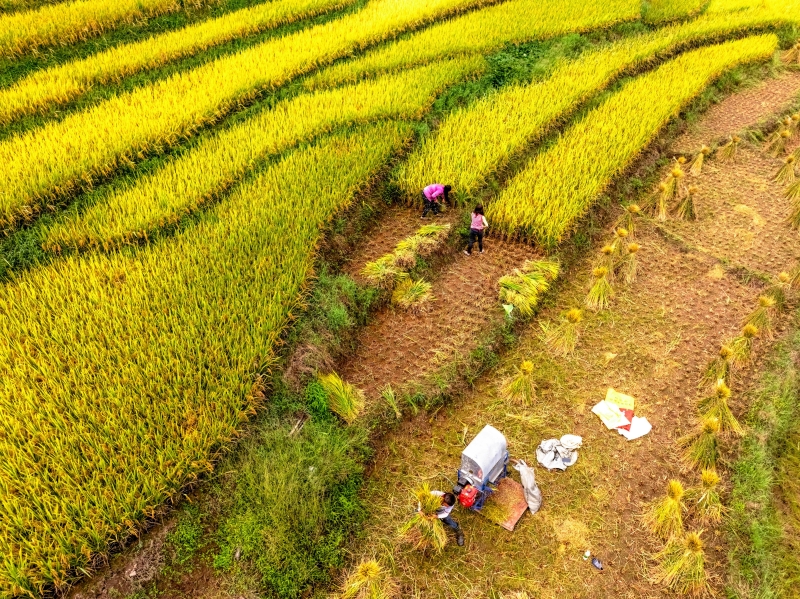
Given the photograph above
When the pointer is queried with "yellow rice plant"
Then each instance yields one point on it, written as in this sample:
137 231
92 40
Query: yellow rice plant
719 369
685 208
14 5
68 22
629 263
741 346
563 337
390 268
344 400
600 293
518 21
716 406
63 83
370 580
474 143
665 516
668 190
58 158
123 375
523 288
522 384
424 530
182 185
792 55
697 163
706 498
728 152
663 11
763 317
776 143
482 32
383 273
780 291
681 567
785 175
558 186
630 219
701 446
608 261
734 6
412 295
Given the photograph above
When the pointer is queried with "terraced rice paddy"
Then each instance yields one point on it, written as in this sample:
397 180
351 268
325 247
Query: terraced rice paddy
178 217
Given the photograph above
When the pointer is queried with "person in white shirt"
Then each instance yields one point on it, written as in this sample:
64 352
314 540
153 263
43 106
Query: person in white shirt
448 503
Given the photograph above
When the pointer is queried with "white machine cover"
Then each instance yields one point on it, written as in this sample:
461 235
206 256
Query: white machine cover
485 457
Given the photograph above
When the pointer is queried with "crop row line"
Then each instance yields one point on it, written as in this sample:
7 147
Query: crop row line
482 32
16 5
57 159
68 22
122 374
473 144
544 200
182 185
61 84
664 11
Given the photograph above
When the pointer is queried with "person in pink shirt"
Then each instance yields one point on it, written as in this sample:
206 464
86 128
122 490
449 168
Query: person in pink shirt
432 195
478 225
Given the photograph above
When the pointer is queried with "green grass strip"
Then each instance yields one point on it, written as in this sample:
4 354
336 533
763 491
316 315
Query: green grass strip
14 5
64 83
473 144
544 200
59 158
757 558
183 185
65 23
483 32
121 376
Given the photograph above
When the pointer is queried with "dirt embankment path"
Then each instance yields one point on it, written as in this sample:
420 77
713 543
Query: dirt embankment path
695 287
400 347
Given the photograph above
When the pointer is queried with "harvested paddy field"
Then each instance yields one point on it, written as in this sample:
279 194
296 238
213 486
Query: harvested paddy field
232 349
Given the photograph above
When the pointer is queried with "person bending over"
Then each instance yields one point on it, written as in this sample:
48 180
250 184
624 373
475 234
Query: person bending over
432 195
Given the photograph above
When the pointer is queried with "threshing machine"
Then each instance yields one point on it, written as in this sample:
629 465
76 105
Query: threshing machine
484 462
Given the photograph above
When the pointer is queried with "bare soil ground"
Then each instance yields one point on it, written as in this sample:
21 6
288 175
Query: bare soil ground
394 225
399 346
741 213
689 298
746 109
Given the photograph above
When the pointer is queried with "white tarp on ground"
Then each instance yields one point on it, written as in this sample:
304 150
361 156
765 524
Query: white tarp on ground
559 454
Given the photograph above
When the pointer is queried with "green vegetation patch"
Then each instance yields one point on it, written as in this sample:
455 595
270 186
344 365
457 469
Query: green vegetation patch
294 503
760 560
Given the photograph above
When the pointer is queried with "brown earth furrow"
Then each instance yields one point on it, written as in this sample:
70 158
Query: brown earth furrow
400 347
749 108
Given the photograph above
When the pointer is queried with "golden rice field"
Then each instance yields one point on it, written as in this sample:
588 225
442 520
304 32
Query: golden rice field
543 201
61 84
132 356
67 22
476 143
662 11
183 185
